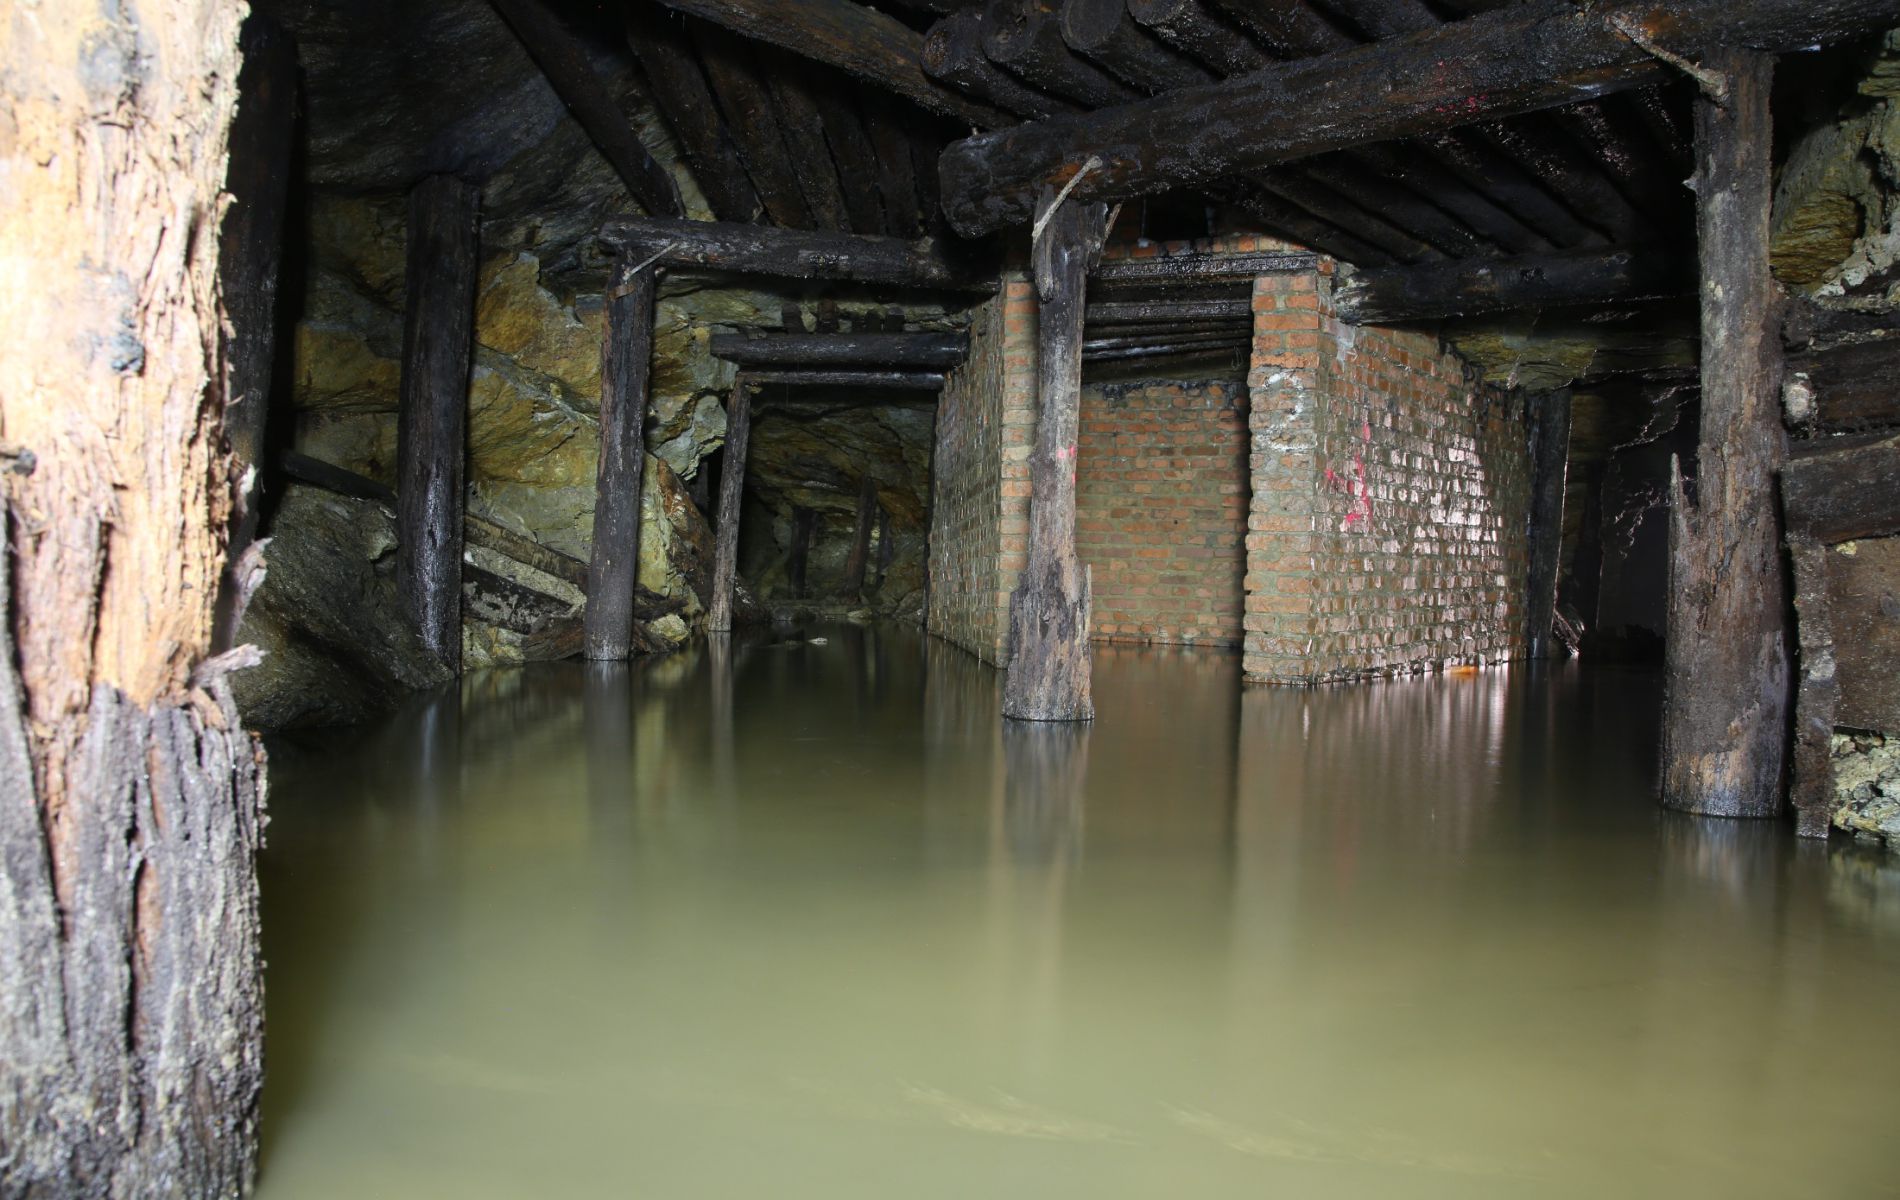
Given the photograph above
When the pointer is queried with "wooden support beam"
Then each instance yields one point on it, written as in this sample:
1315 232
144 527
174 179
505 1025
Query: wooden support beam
860 555
564 60
803 124
885 350
855 38
1431 291
1543 150
731 492
1849 388
1378 192
250 254
1095 346
1197 268
909 381
855 158
1027 41
1195 30
1550 457
1486 169
1304 188
1103 30
626 352
1138 312
1837 495
1169 349
1048 675
1287 28
679 91
431 435
1298 224
896 176
953 54
751 118
1543 54
792 253
1726 676
1428 178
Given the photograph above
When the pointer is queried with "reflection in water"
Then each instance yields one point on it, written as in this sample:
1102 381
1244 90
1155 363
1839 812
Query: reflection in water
797 917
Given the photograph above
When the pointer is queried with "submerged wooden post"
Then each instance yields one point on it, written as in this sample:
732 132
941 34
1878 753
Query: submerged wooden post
1550 453
1725 699
860 555
438 328
626 350
1048 677
731 487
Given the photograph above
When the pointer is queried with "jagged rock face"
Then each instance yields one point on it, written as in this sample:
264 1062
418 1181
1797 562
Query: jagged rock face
1867 786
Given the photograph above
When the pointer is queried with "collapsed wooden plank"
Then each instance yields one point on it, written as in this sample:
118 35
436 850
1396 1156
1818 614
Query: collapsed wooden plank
1537 56
793 253
855 38
1462 287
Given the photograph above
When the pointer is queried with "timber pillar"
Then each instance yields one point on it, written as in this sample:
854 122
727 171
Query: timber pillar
1726 683
1048 676
731 488
1550 454
438 328
613 568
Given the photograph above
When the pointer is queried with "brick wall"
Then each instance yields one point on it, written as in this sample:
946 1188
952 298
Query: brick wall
1386 528
1161 508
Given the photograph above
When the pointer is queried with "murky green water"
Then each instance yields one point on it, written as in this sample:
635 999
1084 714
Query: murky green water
807 920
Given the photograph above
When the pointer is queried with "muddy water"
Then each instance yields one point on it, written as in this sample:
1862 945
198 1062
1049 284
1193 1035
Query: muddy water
807 920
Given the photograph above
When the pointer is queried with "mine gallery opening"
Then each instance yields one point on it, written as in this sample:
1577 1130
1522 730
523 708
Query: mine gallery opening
949 598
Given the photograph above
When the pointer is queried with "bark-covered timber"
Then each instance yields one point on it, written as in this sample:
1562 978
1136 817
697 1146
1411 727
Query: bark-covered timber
1543 149
1426 176
1182 268
1139 312
1021 37
1132 341
1842 494
626 352
131 1003
854 157
860 555
1429 291
953 54
1517 60
1167 349
855 38
679 91
1048 676
1288 28
892 350
731 491
1304 227
432 423
1190 27
1103 30
1303 188
1377 192
752 121
250 256
914 381
1550 456
803 124
564 60
793 253
896 174
1726 673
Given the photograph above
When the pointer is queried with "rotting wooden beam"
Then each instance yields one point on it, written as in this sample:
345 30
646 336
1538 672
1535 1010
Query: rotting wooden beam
1726 683
432 422
1103 30
855 159
564 60
1287 28
679 91
1304 187
953 54
1143 341
1026 40
855 38
1541 55
803 124
1298 223
1133 312
1179 268
1048 677
626 352
1190 27
1490 172
938 351
1438 184
860 555
792 253
896 176
912 381
1431 291
731 492
1379 192
1837 495
1169 349
1550 457
752 119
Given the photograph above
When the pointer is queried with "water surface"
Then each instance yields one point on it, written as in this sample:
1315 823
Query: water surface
803 919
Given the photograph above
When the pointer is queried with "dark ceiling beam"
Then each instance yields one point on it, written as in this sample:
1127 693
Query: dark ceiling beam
933 351
1542 55
855 157
1544 150
750 117
953 55
855 38
1184 268
1026 40
803 126
1326 202
564 60
1287 28
1103 30
1379 192
912 381
1426 176
896 175
1147 312
1195 30
1395 295
792 254
1297 223
678 90
1491 172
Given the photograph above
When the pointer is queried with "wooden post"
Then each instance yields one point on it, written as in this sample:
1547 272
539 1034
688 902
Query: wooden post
1726 684
1550 454
1048 678
626 350
803 520
860 555
731 488
438 329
